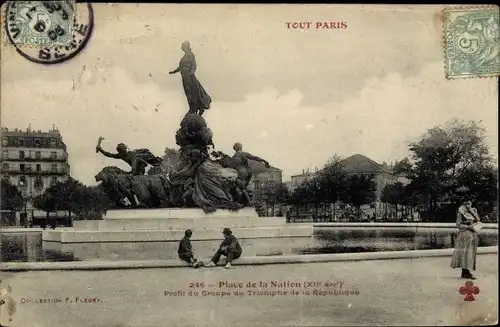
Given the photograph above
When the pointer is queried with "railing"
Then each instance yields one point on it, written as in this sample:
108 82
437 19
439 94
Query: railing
34 158
30 171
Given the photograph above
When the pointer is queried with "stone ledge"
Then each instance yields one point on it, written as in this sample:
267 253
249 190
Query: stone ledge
336 257
398 225
20 230
179 213
101 236
176 223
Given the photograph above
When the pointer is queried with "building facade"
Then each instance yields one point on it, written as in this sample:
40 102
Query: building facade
33 160
262 176
359 164
297 180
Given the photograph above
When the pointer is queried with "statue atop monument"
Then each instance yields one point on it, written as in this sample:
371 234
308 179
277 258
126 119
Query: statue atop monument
209 181
198 99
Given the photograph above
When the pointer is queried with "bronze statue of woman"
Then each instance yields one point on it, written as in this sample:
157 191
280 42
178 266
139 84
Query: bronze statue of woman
198 99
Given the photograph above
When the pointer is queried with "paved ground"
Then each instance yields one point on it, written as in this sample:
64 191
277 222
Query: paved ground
391 292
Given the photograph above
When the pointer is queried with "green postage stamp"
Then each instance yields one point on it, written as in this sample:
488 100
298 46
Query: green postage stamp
471 41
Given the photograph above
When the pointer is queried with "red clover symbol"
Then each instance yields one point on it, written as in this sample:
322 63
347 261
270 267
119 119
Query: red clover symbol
469 290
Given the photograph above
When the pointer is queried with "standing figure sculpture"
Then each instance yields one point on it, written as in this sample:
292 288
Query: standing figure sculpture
198 99
138 159
239 162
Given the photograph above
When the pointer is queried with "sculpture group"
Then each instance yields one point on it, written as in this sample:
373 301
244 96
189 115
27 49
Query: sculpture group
201 178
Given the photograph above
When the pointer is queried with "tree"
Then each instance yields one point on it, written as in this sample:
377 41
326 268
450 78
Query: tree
90 202
274 193
313 192
359 190
395 194
170 159
333 180
443 155
74 197
402 167
11 197
45 202
309 192
482 184
298 197
60 196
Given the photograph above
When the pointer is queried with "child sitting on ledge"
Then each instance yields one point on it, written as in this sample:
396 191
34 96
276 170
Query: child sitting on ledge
186 250
230 247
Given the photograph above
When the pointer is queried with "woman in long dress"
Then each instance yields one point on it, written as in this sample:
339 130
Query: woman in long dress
209 192
206 178
198 99
464 255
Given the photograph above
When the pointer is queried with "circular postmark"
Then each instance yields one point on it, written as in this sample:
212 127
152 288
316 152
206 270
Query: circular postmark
49 32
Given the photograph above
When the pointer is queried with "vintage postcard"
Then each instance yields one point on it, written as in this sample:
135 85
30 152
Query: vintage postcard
248 164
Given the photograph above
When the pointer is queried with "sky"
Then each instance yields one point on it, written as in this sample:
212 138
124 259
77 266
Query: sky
294 97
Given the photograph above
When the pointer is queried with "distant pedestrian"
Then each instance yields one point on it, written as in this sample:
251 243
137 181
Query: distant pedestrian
464 255
230 248
185 251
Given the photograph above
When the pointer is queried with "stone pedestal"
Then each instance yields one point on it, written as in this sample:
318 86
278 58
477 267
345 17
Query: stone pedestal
155 233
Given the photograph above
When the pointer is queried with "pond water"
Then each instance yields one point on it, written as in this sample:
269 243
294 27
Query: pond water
29 247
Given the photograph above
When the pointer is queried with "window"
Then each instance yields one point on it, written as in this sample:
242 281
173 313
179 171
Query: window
5 154
22 167
22 181
21 141
38 142
53 180
38 182
54 167
38 155
4 141
5 166
21 154
53 142
38 167
53 155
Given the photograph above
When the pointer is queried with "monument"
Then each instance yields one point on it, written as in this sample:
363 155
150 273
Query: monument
206 191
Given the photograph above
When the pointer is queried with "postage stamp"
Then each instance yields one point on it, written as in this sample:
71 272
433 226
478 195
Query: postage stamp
471 40
48 32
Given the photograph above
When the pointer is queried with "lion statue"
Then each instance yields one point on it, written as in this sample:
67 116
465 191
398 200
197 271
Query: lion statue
149 191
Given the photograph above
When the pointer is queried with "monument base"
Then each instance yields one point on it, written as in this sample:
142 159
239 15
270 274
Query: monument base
155 234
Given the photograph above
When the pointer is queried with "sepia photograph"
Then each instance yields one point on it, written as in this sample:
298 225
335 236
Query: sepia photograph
243 165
